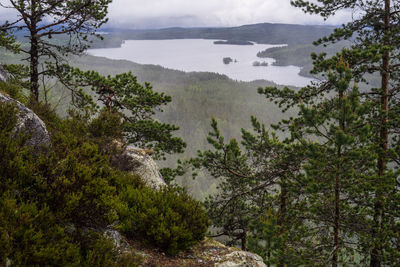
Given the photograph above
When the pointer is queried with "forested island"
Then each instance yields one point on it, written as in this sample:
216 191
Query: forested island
258 64
300 176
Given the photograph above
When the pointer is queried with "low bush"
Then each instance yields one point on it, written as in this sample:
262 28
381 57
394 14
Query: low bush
170 220
41 194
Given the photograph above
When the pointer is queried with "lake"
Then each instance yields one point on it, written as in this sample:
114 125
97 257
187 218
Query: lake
203 55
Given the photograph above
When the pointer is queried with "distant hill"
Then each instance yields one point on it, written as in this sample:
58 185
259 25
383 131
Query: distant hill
265 33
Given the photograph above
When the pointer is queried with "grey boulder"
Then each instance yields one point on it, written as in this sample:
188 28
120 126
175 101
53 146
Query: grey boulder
29 123
138 161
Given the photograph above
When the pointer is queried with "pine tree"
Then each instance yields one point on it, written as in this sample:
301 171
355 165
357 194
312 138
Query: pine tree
333 130
133 103
374 50
73 21
254 179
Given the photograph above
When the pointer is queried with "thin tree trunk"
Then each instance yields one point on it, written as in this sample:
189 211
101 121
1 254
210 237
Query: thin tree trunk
244 241
336 226
376 253
34 73
282 216
337 213
34 52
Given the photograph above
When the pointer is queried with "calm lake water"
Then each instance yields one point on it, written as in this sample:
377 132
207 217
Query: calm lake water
203 55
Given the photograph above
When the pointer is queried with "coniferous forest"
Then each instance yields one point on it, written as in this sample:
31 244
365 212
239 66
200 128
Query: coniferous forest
300 176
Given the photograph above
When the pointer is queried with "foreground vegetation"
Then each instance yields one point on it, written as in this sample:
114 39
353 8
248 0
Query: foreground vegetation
56 205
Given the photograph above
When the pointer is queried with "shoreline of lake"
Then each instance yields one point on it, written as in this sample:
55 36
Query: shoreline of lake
202 55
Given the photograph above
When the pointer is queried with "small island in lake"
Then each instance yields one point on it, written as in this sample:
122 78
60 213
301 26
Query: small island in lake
258 64
233 42
227 60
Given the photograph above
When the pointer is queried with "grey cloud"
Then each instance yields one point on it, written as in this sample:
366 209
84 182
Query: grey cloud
197 13
168 13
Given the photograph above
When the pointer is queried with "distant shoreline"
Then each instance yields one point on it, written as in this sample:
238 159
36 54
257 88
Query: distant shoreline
233 42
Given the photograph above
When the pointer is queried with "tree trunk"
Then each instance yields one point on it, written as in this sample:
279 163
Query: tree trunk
282 216
34 62
336 221
244 241
376 253
336 226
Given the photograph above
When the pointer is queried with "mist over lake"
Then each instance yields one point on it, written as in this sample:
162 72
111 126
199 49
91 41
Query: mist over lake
203 55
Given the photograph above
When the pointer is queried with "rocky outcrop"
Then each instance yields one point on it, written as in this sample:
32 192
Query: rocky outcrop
3 74
223 256
29 123
138 161
208 253
240 259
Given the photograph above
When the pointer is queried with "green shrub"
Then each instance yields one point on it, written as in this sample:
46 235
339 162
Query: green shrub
30 236
41 194
167 219
107 125
49 201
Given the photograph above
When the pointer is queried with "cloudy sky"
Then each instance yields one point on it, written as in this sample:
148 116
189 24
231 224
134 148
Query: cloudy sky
169 13
196 13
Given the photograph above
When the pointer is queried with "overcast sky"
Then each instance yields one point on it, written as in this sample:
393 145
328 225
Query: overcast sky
169 13
196 13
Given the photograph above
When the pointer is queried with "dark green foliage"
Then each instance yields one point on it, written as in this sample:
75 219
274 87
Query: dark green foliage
170 220
350 176
54 205
42 194
31 236
374 51
337 184
106 128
